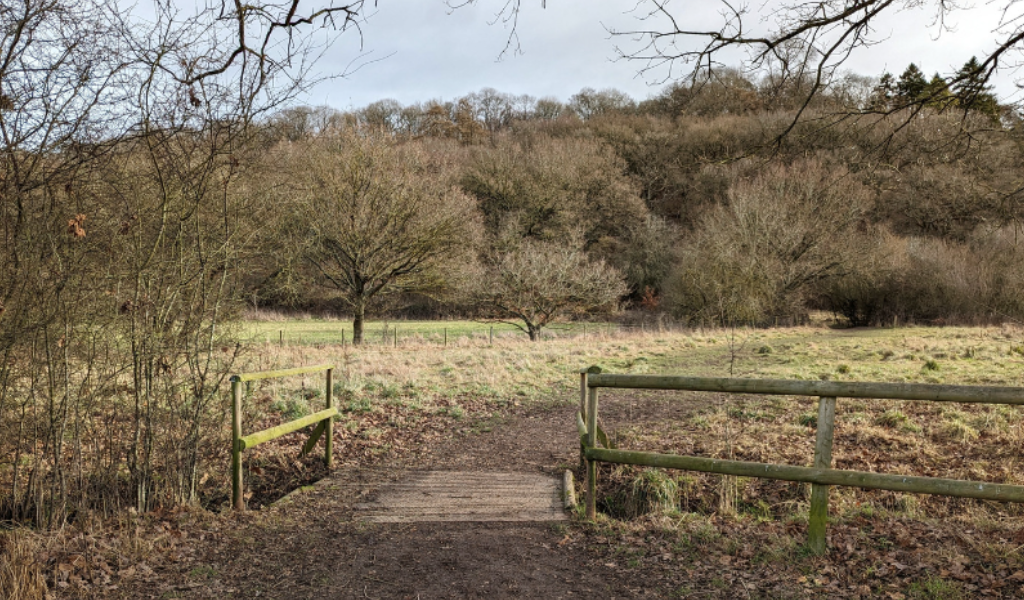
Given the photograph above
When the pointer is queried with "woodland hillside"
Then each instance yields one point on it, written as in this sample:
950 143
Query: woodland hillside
710 201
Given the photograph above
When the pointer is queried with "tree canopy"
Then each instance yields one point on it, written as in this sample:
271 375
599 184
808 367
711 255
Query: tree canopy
375 220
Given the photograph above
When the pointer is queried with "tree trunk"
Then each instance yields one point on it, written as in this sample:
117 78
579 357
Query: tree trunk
357 325
533 331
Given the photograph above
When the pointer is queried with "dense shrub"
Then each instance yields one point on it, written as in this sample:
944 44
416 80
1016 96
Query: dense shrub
759 256
932 280
549 187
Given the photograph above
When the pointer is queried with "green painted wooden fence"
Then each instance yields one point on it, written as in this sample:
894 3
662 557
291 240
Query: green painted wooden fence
239 443
821 475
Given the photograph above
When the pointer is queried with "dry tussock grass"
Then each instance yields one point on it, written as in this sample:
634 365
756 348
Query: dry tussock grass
21 573
511 365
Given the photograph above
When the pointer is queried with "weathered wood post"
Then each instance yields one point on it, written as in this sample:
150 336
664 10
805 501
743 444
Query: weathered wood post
445 337
329 425
492 336
583 411
342 338
237 502
591 442
280 337
583 392
818 519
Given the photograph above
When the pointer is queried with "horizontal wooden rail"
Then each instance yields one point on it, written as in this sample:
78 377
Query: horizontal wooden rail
835 389
821 475
280 373
240 443
285 428
863 479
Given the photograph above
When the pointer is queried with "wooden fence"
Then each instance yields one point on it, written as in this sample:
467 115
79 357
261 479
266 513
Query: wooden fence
821 475
240 443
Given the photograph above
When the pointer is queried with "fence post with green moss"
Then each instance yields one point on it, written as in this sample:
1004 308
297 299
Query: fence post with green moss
239 443
821 475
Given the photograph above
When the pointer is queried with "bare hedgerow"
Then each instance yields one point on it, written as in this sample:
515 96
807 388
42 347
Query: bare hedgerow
930 279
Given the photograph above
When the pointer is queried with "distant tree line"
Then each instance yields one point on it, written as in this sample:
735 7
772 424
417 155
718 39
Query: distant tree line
689 200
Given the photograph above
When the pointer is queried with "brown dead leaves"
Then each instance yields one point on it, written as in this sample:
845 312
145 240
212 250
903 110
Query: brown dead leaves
867 558
75 226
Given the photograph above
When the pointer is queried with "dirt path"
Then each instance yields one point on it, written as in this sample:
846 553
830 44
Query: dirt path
311 547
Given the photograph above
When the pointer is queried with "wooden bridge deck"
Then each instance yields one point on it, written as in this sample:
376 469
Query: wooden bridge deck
466 496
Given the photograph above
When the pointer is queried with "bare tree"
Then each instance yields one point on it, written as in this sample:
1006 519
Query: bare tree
804 42
548 187
781 232
532 284
589 103
375 219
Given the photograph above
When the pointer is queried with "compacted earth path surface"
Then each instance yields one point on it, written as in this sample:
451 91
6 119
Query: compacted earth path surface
318 543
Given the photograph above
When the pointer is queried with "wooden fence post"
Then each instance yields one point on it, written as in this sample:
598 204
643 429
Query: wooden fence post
583 393
237 502
818 519
583 411
492 336
445 337
329 425
592 442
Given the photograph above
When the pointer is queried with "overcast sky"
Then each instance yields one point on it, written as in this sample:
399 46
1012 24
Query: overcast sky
418 50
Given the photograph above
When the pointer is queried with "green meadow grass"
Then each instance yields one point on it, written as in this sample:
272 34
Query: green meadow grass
314 331
515 368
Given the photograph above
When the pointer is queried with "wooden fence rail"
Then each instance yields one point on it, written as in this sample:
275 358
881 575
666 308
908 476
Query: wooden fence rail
240 443
821 475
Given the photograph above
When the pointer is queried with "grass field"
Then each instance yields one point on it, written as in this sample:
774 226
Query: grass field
318 331
709 536
735 537
514 367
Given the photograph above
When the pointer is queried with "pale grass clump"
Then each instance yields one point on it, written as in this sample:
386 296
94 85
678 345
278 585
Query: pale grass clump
267 315
21 574
957 429
653 491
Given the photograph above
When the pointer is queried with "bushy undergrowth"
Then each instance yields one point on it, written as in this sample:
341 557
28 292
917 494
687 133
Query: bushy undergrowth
980 280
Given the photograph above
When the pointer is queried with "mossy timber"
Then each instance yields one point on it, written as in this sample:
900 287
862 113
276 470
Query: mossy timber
821 476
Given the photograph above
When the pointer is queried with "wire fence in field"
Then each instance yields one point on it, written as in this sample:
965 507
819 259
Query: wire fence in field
419 333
